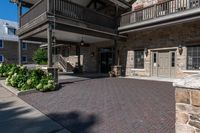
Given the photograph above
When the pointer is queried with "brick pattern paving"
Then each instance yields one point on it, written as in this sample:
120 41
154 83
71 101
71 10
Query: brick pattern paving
110 105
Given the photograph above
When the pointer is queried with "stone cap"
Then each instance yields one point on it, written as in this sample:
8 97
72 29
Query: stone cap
191 82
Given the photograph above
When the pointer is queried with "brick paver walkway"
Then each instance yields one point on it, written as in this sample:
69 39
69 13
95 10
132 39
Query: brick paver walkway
110 105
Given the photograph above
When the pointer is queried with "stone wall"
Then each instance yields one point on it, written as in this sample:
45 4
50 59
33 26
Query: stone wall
162 38
188 105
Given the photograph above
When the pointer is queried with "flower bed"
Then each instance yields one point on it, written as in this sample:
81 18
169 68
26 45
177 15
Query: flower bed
24 79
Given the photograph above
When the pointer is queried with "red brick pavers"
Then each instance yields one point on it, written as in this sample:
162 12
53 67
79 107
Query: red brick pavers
110 105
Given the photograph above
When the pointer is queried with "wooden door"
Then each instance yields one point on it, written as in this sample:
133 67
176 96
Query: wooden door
163 64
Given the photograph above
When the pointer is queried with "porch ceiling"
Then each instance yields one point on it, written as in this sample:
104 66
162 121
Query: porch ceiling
71 37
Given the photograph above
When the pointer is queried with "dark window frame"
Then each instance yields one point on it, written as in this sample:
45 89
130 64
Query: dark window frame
26 46
193 58
2 44
26 57
139 61
13 31
173 59
2 56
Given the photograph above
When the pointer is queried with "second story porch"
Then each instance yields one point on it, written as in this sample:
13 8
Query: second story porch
163 12
67 16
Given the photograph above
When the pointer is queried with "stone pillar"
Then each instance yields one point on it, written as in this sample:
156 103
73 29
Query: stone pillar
187 96
49 40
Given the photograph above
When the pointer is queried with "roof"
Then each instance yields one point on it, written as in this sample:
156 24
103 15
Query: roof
3 30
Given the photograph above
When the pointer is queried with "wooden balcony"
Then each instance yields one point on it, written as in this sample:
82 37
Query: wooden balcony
158 11
65 11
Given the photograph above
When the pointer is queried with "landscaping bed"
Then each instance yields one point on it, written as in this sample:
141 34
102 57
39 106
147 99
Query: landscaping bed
22 79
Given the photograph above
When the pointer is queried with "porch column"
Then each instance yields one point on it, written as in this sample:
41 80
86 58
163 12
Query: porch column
19 6
49 50
78 53
116 60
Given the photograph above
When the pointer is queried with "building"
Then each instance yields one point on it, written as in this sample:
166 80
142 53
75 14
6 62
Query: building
9 44
146 37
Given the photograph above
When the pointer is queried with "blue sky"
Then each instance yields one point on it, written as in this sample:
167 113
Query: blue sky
8 10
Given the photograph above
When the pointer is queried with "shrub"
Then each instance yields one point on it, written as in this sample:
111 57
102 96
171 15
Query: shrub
40 56
24 79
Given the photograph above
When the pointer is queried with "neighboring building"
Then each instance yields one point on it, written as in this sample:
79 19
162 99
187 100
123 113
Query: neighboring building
9 44
156 38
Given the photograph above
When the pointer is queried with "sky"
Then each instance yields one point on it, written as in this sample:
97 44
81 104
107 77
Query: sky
8 10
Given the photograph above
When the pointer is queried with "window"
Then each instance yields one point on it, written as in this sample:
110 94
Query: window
154 57
173 59
1 58
193 58
139 59
24 46
1 44
24 59
11 31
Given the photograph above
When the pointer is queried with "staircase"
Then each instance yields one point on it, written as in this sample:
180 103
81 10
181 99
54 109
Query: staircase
67 67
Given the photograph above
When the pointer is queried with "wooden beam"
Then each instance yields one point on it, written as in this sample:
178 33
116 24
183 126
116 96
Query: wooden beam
43 40
90 3
24 4
87 31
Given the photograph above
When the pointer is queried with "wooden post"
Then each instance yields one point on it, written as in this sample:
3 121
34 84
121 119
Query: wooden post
78 52
19 6
49 40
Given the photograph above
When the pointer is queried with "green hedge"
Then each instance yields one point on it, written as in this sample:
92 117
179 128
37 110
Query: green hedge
24 79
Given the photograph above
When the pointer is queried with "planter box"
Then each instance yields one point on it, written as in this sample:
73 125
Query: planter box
15 91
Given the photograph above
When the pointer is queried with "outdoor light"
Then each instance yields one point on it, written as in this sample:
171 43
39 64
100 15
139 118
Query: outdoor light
92 54
180 49
54 40
82 42
146 51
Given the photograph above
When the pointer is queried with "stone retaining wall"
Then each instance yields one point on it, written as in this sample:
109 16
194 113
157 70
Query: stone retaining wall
187 96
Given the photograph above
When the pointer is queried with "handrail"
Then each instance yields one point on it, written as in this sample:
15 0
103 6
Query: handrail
160 9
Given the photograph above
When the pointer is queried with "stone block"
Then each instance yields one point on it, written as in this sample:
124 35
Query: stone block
195 97
181 107
195 124
182 96
183 128
195 117
182 118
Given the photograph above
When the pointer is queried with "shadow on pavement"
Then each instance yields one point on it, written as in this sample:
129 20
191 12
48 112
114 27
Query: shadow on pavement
75 121
19 119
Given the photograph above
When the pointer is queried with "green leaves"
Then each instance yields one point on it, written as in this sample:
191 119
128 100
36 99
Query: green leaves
24 79
40 56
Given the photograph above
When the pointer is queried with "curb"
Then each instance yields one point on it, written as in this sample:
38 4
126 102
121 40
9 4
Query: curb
15 91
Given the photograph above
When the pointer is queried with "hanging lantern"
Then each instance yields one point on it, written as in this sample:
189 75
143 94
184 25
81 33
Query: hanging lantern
82 42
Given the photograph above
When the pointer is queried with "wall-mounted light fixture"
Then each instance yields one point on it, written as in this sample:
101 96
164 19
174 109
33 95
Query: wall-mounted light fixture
146 51
180 49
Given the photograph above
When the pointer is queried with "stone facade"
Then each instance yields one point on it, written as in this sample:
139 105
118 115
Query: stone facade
188 105
156 39
163 38
10 51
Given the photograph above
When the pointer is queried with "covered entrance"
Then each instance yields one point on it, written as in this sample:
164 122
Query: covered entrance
106 59
164 63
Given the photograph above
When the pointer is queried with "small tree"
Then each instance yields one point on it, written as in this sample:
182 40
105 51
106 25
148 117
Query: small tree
40 56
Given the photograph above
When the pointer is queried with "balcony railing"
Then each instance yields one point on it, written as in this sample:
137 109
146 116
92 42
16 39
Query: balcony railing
35 11
67 9
158 10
